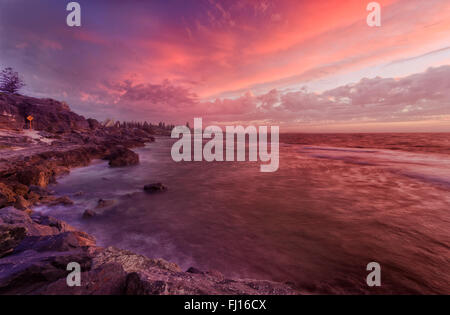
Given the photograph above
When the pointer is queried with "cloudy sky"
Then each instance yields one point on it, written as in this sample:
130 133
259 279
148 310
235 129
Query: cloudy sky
304 65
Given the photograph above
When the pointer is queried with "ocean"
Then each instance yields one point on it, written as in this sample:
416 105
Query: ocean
336 203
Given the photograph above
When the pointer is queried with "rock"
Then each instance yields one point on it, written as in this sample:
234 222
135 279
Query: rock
194 270
88 214
121 156
133 195
35 224
35 175
10 237
62 242
102 203
38 190
110 279
7 196
36 249
93 123
156 187
66 201
33 197
21 203
132 262
30 272
136 284
19 189
58 226
49 115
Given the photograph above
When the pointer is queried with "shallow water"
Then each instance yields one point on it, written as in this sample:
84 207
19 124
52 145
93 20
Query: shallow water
317 222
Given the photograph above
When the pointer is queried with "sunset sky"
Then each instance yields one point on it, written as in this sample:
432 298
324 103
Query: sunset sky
313 66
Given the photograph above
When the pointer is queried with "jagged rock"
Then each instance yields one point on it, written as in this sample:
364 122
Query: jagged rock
136 284
21 203
121 156
29 272
10 237
110 279
33 197
19 189
156 187
62 242
7 196
66 201
35 224
38 190
36 175
49 115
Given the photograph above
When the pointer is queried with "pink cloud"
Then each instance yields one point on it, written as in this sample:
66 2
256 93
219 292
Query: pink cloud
414 98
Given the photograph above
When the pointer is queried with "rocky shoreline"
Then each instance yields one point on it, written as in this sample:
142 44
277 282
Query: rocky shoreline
35 249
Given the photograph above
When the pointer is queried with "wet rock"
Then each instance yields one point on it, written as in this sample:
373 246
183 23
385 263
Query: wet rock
66 201
156 187
129 196
121 156
87 214
58 226
35 224
104 203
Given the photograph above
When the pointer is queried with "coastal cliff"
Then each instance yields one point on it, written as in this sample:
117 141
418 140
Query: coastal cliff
35 249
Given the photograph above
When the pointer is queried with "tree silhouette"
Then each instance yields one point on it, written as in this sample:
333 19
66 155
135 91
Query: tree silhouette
10 81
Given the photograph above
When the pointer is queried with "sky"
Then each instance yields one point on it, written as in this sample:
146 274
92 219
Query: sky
310 66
